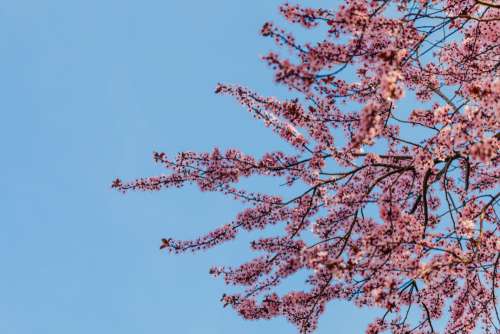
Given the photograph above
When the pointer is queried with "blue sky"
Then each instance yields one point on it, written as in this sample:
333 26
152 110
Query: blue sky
89 90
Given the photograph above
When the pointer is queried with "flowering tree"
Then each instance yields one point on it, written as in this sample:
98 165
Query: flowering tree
387 220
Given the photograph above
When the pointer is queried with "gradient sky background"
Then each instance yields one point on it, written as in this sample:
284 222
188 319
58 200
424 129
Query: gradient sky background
89 90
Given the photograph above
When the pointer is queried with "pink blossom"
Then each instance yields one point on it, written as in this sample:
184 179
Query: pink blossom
390 203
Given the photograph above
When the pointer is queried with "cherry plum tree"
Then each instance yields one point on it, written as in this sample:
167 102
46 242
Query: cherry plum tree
387 220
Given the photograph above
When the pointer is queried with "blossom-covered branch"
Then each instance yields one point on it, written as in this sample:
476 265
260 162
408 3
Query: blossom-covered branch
392 173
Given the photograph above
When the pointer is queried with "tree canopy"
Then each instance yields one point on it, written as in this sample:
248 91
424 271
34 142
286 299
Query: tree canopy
394 130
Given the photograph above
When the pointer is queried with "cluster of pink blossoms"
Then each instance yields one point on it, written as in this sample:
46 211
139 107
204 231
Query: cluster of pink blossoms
402 216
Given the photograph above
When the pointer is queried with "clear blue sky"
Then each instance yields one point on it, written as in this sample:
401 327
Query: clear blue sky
88 90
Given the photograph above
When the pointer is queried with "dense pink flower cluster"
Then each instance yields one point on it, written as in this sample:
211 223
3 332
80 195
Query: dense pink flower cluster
390 205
